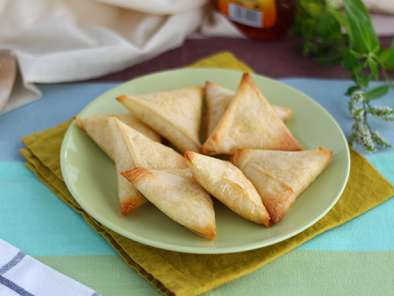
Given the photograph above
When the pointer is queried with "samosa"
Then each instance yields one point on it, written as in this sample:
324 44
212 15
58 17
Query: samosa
218 98
177 196
249 122
281 176
131 149
97 128
229 185
175 114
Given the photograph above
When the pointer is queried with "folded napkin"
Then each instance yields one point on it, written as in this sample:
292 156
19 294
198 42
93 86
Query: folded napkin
21 274
190 274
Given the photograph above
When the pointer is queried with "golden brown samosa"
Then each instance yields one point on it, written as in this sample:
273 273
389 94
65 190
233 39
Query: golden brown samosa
218 98
131 149
229 185
249 122
281 176
97 128
179 197
175 114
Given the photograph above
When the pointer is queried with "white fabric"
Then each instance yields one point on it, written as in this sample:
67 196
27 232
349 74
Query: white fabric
19 271
14 92
381 6
68 40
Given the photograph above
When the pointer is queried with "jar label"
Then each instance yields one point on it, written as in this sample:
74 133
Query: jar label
257 14
246 16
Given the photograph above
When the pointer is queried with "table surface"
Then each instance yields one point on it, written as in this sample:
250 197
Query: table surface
355 259
278 59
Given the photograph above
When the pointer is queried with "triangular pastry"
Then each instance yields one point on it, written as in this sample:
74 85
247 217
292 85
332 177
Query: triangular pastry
229 185
280 176
180 198
249 122
175 114
218 98
97 128
131 149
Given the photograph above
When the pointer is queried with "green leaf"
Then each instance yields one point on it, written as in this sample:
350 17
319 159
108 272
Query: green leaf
340 17
374 68
361 79
350 60
310 7
327 25
321 31
330 58
386 58
377 92
352 89
362 35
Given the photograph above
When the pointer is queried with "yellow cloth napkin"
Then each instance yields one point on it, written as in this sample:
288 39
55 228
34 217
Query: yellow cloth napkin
189 274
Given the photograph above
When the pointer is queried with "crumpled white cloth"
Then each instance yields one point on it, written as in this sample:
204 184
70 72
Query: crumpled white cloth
68 40
380 6
21 274
48 41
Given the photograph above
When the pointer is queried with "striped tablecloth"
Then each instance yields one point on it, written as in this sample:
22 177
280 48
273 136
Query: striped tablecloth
354 259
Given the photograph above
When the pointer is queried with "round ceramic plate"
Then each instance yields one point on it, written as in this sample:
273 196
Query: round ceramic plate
90 174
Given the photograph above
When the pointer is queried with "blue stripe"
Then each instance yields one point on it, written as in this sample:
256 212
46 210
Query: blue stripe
372 231
330 94
14 261
11 285
60 102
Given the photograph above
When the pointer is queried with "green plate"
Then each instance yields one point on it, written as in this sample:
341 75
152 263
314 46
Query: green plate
90 175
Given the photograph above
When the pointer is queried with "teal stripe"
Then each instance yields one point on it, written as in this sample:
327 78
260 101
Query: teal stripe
372 231
39 224
384 163
34 220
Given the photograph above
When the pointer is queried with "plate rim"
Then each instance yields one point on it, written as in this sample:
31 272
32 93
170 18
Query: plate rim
193 249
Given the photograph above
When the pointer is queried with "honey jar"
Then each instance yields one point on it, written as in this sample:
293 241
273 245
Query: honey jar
259 19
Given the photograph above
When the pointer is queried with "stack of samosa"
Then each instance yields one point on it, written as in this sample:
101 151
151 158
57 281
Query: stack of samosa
268 168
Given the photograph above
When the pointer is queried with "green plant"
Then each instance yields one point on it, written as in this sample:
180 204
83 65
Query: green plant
347 37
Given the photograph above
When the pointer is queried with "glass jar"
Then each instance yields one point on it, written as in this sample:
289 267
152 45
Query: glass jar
259 19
